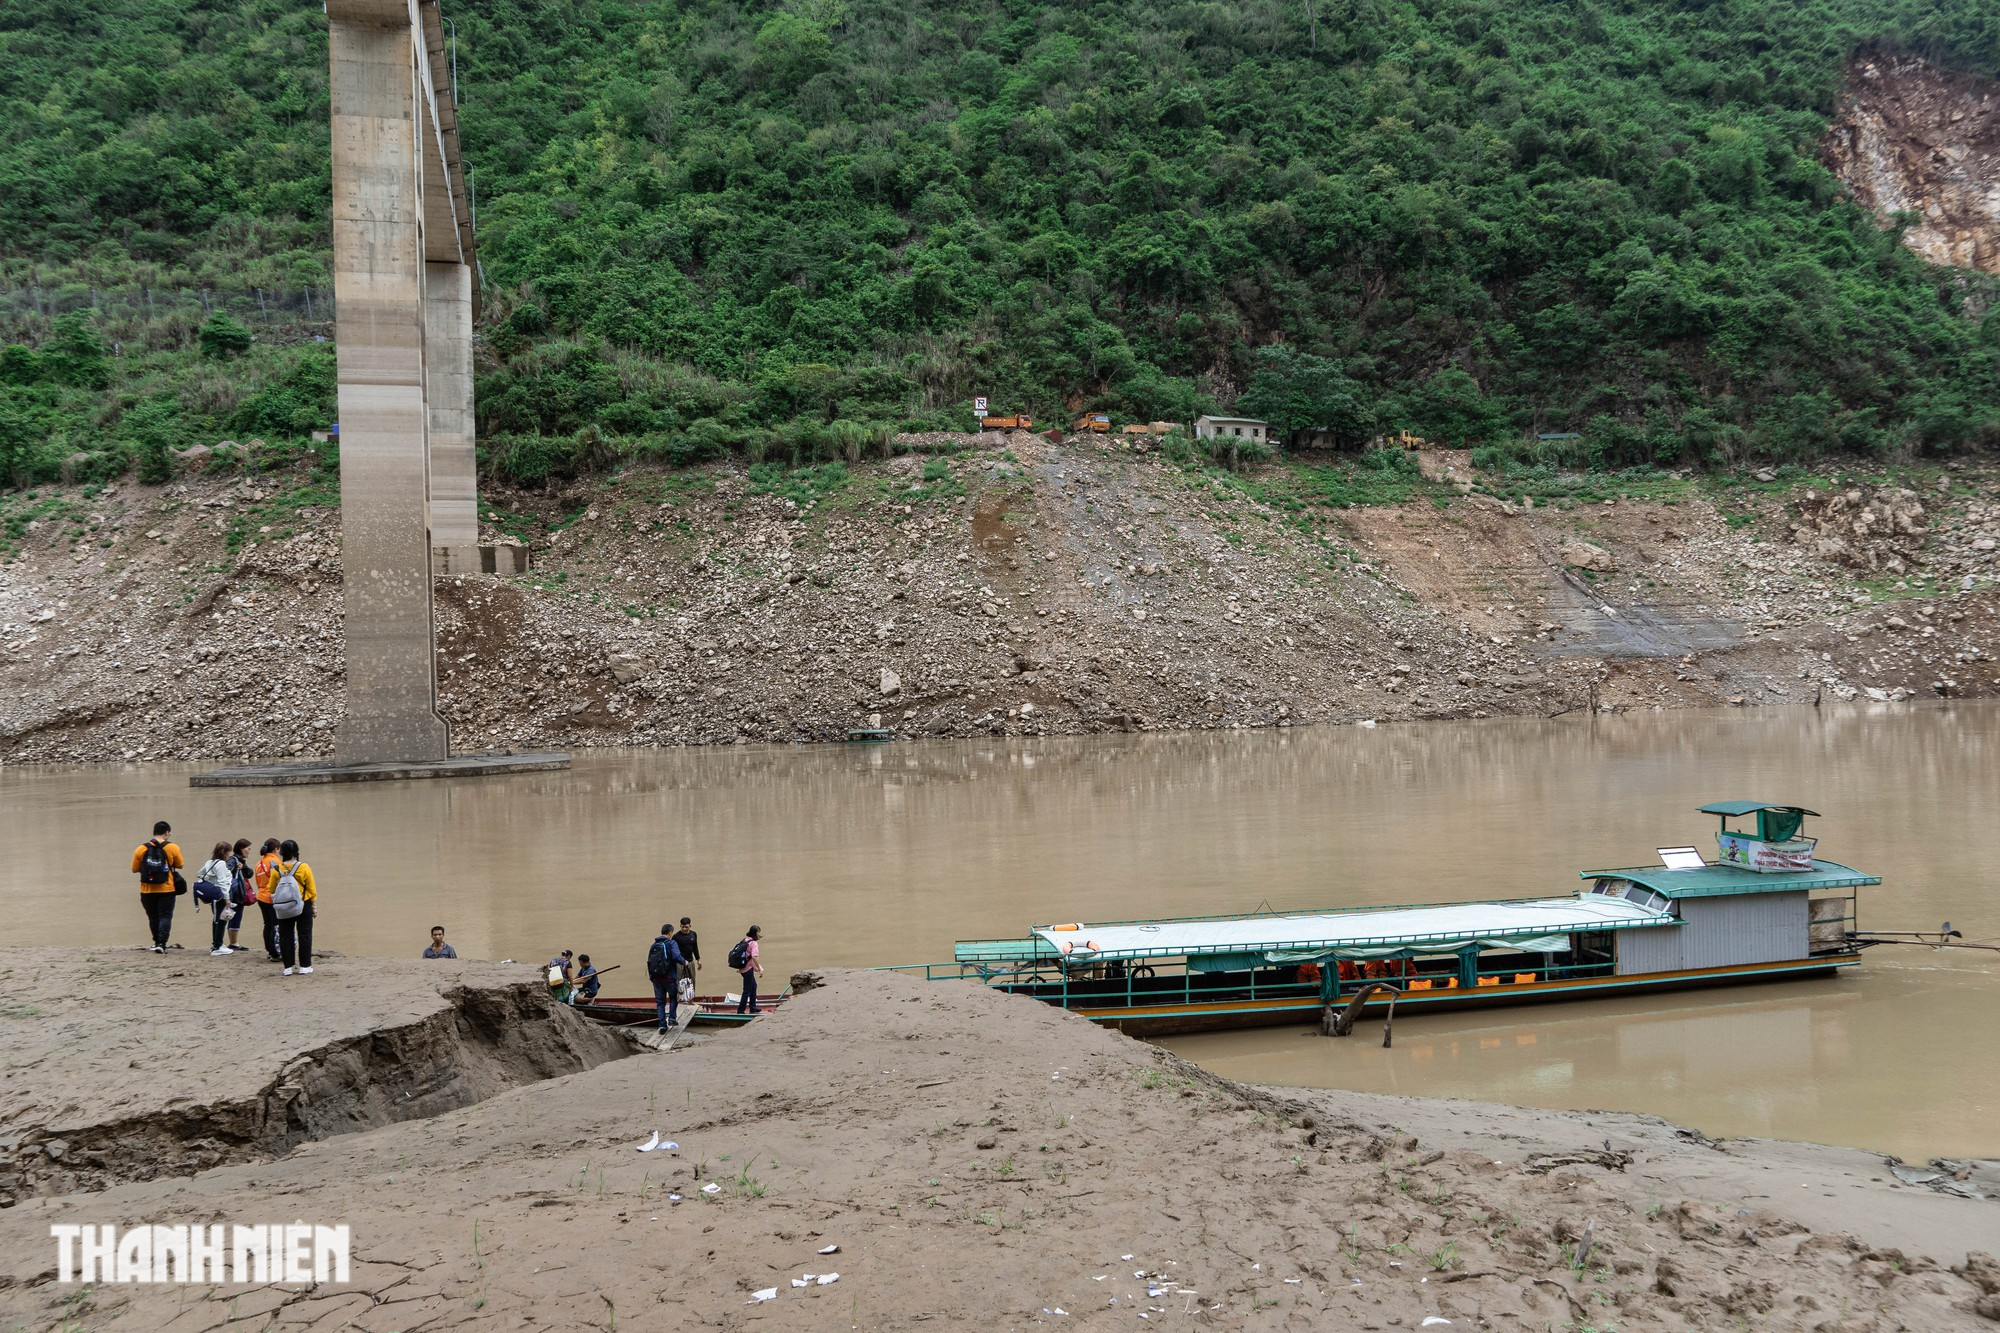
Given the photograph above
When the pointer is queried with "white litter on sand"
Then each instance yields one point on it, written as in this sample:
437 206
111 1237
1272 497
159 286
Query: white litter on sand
1432 1321
712 1188
831 1249
828 1279
767 1294
651 1143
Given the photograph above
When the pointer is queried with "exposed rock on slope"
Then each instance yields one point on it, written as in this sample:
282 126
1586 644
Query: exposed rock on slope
1035 590
1914 138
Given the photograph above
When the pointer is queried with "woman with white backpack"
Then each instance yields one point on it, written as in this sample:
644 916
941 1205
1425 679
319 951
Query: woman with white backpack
294 902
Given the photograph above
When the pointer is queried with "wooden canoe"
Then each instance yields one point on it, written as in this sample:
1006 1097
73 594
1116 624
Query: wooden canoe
709 1010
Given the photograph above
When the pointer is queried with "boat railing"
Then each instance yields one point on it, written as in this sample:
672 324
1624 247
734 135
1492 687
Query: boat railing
1091 986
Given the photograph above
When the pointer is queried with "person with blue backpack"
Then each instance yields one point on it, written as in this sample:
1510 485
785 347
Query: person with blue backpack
663 966
213 885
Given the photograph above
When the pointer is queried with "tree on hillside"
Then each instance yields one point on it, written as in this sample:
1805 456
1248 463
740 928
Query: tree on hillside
222 337
1299 393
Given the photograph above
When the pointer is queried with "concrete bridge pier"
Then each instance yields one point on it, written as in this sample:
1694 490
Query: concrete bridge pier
380 326
454 485
404 308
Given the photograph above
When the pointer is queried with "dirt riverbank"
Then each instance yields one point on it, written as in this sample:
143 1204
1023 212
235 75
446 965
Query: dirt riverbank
965 1159
1017 588
120 1064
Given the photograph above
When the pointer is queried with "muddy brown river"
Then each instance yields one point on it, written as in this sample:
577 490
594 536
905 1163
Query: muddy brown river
875 855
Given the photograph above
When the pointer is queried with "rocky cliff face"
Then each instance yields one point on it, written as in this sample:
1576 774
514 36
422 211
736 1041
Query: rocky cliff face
1913 138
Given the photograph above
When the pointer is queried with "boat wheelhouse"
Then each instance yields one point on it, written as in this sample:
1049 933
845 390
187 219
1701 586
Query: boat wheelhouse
1765 909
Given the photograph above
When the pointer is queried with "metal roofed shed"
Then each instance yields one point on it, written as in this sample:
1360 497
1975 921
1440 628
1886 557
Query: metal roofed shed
1448 928
1721 881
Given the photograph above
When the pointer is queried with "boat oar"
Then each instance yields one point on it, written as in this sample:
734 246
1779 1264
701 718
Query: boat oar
579 982
1941 938
1928 939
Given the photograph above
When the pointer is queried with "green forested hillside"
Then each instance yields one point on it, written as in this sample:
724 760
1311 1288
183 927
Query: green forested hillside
783 229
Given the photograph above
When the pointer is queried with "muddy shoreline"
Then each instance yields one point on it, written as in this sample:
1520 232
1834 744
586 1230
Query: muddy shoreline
985 1160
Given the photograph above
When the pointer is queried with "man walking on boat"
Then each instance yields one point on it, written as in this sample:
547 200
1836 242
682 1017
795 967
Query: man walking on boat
690 946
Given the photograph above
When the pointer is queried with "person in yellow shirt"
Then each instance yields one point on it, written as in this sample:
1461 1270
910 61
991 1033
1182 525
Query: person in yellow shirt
295 932
154 862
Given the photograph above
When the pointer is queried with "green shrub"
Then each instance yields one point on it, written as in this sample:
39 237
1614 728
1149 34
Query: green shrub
222 338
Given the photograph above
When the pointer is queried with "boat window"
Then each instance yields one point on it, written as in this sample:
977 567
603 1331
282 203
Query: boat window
1645 897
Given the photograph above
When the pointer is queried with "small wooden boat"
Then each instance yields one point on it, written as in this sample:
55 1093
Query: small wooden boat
1765 910
710 1011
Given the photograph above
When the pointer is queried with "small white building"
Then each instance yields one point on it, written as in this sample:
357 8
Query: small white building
1245 428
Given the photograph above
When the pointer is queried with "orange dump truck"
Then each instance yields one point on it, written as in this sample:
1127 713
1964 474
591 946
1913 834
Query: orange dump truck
1007 423
1092 423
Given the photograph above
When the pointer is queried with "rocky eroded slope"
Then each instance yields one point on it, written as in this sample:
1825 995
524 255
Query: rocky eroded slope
1018 588
1916 139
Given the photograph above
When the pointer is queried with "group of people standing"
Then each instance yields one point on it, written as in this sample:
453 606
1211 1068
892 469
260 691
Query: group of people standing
277 881
675 957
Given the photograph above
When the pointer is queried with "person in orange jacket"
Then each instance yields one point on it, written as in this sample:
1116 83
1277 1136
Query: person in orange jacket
262 879
155 862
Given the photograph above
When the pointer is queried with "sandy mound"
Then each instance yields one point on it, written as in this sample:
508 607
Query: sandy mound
980 1161
123 1065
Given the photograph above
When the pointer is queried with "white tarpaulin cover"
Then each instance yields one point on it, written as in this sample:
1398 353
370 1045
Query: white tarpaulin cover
1442 928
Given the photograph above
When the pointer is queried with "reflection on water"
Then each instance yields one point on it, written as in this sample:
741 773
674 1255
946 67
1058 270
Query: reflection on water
1886 1060
871 855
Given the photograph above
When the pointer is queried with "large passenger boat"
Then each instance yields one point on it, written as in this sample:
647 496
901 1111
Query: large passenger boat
1764 908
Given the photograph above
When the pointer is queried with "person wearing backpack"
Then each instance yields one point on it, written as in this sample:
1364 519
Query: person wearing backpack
663 966
261 879
294 901
212 884
743 958
155 862
241 892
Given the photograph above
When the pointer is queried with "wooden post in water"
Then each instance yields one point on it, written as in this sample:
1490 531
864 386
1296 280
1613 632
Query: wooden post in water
1340 1023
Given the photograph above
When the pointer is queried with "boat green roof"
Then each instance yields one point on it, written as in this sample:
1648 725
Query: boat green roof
1003 951
1751 808
1720 881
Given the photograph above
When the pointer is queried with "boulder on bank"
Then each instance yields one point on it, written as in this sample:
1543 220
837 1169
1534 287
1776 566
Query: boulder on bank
1579 554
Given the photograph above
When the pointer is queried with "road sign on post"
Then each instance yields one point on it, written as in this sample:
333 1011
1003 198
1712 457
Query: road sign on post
979 406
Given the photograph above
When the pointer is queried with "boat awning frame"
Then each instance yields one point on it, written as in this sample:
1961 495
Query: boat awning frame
1722 881
1444 928
1733 808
